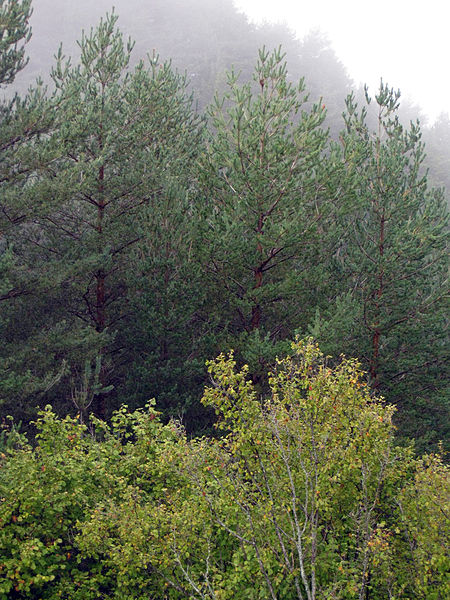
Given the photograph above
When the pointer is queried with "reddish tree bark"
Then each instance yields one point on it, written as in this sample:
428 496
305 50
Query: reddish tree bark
378 294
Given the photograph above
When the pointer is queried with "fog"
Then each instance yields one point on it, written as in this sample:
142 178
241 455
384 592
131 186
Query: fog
403 46
400 41
204 38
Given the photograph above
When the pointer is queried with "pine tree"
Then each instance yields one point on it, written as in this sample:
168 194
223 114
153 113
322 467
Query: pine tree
22 121
267 179
14 34
171 340
394 267
114 136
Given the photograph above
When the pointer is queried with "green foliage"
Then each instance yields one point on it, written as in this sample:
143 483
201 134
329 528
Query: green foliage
304 494
390 300
112 160
51 492
305 484
268 180
135 241
297 478
22 121
168 342
423 505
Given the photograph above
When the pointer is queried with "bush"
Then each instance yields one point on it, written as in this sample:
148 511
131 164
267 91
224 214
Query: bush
302 495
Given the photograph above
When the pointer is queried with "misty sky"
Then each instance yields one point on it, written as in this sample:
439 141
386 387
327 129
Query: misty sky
404 41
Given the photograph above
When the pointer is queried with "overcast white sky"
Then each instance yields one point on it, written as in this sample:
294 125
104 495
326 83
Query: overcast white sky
405 42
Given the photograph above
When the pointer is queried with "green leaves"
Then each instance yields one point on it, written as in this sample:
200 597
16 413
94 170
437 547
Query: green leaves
304 494
310 458
50 493
423 506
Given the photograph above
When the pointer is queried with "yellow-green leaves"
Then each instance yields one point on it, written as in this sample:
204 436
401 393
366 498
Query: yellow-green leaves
304 495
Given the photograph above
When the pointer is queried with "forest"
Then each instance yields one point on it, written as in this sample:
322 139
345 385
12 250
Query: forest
223 325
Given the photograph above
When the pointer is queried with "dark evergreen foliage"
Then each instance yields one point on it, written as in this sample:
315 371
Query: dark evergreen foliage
138 239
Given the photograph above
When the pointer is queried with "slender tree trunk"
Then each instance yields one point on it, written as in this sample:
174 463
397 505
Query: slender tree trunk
258 279
374 362
100 276
164 346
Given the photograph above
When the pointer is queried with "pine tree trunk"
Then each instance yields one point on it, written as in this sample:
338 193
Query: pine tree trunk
258 279
100 276
374 362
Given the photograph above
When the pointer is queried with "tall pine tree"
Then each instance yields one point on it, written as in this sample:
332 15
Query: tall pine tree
267 176
394 266
114 136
